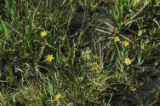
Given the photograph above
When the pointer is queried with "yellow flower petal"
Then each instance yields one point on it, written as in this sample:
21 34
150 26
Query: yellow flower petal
49 58
43 33
125 43
116 39
127 61
58 96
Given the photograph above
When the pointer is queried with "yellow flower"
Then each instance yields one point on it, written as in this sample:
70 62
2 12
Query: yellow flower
125 43
116 39
43 33
127 61
58 96
49 58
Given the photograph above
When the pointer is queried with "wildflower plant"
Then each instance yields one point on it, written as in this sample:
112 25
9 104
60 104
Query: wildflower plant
127 61
57 96
126 43
116 39
49 58
85 76
43 34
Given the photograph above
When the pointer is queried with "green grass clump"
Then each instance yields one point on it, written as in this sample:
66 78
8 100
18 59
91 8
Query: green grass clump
57 52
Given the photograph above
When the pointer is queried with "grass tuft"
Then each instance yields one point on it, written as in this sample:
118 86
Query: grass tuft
85 52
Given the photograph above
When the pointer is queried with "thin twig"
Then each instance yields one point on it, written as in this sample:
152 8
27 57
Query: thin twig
13 28
147 2
102 31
